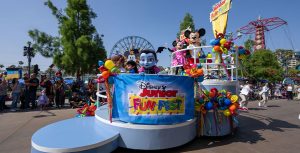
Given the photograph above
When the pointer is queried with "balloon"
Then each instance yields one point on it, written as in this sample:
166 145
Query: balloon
115 70
208 105
200 78
105 74
102 68
100 63
226 112
227 102
200 71
100 80
234 98
217 48
228 95
199 66
188 71
232 108
222 41
212 94
111 80
225 51
247 52
109 64
214 42
209 56
227 45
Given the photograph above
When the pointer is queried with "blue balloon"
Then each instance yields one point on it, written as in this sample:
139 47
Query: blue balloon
208 105
242 51
200 79
199 66
221 102
111 80
227 102
100 63
214 42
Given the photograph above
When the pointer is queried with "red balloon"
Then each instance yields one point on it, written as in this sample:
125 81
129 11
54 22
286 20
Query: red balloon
227 45
248 52
212 94
102 68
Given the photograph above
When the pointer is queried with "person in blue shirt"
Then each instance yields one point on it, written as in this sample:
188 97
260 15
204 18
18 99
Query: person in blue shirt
131 66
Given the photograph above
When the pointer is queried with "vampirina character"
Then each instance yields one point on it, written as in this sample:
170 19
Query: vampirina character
148 60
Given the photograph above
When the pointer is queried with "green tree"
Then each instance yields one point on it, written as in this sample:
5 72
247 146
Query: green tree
293 72
187 22
249 43
262 64
78 46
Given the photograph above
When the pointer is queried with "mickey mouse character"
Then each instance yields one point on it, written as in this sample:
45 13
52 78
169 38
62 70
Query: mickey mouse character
194 41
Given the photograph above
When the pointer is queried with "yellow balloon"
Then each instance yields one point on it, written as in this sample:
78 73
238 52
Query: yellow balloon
234 98
109 64
209 56
222 41
226 112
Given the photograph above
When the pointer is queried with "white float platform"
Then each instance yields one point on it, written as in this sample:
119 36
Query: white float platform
80 135
97 134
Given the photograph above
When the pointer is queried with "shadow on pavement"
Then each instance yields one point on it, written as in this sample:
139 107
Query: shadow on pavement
246 133
43 115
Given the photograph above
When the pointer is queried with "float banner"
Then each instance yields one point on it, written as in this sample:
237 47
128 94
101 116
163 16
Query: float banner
13 73
219 16
153 99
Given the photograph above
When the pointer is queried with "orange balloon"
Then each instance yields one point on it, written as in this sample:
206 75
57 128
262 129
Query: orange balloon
105 74
200 71
217 48
232 107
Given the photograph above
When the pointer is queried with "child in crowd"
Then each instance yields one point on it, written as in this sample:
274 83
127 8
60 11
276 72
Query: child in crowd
131 66
43 100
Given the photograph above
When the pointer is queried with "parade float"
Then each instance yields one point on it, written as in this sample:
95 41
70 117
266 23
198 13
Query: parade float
152 110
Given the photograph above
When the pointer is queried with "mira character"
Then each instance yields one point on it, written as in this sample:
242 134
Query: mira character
148 60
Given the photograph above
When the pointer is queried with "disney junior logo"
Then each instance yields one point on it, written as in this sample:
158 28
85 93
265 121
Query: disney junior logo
148 85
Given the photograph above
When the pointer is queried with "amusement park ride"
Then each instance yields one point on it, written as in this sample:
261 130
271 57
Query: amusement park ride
259 27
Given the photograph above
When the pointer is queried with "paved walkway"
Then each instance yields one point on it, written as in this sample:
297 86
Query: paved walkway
272 130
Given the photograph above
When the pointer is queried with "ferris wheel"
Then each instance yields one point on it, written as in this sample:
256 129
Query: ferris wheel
130 46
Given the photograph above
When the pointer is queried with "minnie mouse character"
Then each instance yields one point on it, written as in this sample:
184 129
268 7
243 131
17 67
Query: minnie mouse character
178 59
148 60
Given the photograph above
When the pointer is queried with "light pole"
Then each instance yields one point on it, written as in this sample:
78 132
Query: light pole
28 51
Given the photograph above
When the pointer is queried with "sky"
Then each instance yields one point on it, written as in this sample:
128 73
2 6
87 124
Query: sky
155 20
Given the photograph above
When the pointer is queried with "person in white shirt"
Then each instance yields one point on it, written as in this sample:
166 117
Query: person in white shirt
264 93
298 93
244 96
289 90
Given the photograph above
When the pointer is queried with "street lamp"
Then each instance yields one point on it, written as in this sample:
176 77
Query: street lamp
28 51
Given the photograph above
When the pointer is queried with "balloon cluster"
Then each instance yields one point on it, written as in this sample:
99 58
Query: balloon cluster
86 110
242 52
194 71
107 69
220 44
214 99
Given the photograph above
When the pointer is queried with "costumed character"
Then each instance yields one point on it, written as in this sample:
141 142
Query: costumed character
131 56
148 60
178 59
194 41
